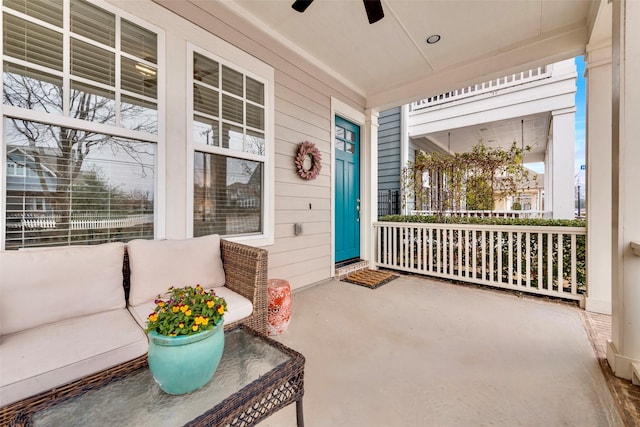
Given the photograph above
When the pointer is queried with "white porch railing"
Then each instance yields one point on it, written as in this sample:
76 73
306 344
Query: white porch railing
540 260
484 87
527 214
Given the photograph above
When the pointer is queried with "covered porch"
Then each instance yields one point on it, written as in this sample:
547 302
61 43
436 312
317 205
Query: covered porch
418 352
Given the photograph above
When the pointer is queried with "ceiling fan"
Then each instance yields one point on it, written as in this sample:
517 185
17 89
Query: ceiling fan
373 8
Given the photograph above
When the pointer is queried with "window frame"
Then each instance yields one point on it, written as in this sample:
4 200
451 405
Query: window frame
259 71
64 120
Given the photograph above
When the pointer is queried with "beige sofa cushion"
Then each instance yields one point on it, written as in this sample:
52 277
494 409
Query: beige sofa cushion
39 359
49 285
156 265
238 307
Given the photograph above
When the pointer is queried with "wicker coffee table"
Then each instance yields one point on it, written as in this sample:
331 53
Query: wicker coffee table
256 377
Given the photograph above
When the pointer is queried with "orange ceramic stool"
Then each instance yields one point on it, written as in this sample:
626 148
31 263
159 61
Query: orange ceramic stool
279 316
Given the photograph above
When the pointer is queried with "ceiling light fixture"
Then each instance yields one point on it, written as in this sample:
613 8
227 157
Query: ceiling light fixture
433 39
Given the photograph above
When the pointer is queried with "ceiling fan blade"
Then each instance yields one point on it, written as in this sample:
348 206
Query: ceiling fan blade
301 5
374 10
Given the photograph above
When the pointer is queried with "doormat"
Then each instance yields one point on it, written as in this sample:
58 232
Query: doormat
371 279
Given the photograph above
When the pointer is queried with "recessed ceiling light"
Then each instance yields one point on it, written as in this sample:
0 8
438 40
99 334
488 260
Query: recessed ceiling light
433 39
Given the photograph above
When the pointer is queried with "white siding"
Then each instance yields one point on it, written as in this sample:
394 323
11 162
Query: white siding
302 112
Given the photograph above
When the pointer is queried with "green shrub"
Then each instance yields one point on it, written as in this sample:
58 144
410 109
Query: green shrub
434 219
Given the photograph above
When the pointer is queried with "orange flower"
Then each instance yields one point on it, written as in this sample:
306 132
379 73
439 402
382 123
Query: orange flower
221 309
153 317
175 308
210 304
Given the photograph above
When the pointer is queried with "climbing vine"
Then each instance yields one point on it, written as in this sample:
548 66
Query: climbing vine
471 181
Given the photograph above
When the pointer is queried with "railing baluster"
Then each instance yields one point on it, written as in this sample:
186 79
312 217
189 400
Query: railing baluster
528 258
474 258
500 252
510 270
549 262
540 263
460 251
519 257
483 251
491 256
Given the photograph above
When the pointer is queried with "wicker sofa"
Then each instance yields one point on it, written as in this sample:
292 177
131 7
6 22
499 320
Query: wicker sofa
57 354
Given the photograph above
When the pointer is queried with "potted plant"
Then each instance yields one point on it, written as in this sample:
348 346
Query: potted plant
186 338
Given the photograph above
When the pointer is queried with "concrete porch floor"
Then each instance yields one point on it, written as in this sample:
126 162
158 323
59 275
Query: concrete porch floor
418 352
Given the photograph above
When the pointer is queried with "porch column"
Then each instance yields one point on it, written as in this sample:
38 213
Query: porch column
623 351
404 155
369 193
563 164
598 173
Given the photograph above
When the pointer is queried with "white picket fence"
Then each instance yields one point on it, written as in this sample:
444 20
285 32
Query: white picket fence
82 221
540 260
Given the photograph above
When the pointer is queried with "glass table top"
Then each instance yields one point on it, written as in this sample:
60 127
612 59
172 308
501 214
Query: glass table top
138 401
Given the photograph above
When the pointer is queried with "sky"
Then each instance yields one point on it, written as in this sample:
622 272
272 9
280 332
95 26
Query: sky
580 130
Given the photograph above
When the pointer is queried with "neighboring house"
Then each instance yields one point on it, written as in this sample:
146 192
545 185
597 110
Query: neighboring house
534 108
173 92
390 163
25 180
529 197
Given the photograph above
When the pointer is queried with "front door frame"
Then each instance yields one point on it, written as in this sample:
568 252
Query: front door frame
368 176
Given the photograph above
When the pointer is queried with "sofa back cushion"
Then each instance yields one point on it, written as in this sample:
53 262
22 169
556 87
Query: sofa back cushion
38 287
155 265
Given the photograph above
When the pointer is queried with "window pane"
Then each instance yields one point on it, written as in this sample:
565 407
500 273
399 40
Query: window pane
79 187
49 11
92 63
92 22
205 100
139 42
138 114
232 81
227 195
32 43
255 116
138 78
205 70
255 143
35 90
232 137
92 103
232 109
255 91
205 131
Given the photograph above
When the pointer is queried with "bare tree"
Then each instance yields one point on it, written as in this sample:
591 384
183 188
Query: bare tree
65 150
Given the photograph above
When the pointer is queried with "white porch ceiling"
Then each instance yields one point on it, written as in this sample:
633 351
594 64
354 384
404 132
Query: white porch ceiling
534 129
390 63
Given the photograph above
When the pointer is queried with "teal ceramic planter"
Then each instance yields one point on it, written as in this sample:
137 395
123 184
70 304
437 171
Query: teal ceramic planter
185 363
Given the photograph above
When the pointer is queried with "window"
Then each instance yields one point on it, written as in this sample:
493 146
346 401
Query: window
84 172
229 135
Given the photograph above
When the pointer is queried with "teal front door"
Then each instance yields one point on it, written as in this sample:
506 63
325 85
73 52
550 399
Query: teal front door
347 204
